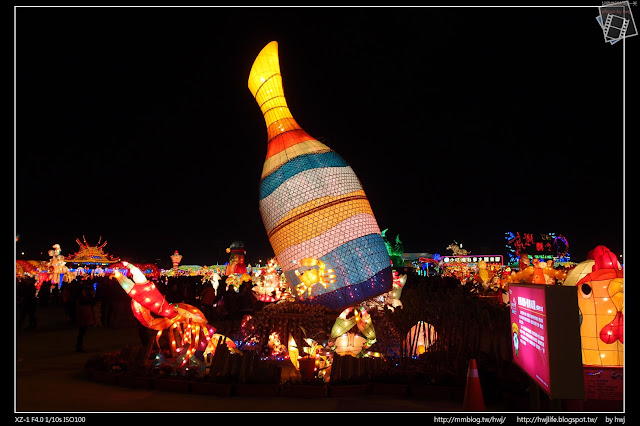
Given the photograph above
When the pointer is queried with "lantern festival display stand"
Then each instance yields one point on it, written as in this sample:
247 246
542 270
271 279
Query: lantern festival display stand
354 370
342 365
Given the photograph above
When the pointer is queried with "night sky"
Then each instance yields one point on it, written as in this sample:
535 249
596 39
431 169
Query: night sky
134 125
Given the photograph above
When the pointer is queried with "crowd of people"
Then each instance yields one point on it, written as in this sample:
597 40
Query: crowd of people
78 299
96 301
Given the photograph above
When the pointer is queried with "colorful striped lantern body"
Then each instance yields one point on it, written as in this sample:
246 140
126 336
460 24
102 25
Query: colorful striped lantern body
312 203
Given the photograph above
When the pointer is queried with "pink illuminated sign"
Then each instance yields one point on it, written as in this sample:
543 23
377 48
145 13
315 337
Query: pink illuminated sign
545 337
529 333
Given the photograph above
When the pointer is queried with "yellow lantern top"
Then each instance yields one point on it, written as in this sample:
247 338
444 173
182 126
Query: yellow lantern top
265 84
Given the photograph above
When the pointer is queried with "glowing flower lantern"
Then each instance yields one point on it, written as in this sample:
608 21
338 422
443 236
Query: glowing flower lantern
267 288
175 260
347 342
350 344
312 203
365 325
343 324
264 293
419 338
601 304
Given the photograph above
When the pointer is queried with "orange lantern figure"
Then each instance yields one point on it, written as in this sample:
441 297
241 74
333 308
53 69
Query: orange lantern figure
236 259
57 265
483 275
537 277
538 273
524 262
601 303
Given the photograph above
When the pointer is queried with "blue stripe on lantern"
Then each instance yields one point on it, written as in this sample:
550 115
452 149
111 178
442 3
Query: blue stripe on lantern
297 165
346 296
362 271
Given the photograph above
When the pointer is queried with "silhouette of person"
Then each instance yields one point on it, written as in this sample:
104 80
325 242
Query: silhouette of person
246 299
84 312
27 302
207 299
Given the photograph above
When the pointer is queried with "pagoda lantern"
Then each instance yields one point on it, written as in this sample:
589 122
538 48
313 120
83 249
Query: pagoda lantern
175 259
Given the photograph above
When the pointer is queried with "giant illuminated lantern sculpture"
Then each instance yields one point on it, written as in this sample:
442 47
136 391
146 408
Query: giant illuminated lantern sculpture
312 203
601 303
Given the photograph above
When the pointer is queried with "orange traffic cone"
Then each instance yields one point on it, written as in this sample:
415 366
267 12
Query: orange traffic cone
473 400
